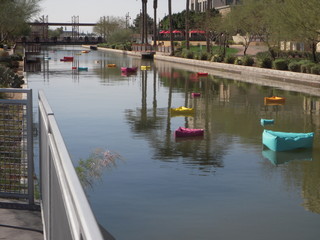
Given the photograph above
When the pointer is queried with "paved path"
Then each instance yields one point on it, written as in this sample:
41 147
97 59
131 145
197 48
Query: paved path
252 49
18 224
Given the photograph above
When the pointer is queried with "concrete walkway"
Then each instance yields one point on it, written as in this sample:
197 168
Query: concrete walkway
17 223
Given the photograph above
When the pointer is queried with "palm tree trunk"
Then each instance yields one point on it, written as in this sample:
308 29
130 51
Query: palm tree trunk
155 5
187 25
207 25
145 21
170 27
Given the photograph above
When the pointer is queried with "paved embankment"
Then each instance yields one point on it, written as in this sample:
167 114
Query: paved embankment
286 80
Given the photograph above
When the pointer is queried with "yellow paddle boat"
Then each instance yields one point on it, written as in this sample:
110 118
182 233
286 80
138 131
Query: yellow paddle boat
274 100
110 65
145 67
181 111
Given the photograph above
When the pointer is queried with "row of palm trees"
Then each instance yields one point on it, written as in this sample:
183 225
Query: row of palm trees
144 37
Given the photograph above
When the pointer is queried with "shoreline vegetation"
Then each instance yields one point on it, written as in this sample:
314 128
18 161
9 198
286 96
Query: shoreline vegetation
256 55
284 79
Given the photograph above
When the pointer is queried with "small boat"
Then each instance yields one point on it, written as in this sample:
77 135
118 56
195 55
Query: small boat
47 58
182 110
85 51
82 68
66 59
73 68
194 94
188 132
129 69
266 121
202 74
284 141
274 100
145 67
93 47
111 65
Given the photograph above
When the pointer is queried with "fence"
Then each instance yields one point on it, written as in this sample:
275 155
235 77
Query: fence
16 145
66 211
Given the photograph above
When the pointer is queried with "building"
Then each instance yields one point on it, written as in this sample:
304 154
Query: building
201 5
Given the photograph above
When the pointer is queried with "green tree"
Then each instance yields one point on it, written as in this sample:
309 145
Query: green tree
14 16
137 23
298 21
56 32
106 26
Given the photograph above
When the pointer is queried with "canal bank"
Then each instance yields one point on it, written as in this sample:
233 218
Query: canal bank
286 80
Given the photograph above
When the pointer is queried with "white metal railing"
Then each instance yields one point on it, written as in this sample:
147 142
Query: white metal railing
65 208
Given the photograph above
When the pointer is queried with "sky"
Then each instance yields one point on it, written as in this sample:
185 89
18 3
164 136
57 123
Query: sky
90 11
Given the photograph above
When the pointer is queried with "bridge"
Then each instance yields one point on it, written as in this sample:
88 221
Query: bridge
40 33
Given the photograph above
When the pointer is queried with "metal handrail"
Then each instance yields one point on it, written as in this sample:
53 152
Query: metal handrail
55 161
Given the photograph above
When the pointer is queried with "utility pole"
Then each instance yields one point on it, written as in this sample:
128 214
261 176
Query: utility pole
127 20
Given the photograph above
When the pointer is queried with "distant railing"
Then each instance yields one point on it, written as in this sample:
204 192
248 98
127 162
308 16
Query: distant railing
66 210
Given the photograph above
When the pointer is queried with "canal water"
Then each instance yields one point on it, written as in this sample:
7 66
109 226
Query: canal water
222 186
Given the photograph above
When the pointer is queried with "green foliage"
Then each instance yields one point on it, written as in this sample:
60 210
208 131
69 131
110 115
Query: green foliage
9 79
306 67
280 64
315 69
294 66
217 58
265 62
230 59
14 16
238 61
187 53
92 168
248 60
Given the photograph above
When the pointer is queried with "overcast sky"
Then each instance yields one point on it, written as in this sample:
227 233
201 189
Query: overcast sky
92 10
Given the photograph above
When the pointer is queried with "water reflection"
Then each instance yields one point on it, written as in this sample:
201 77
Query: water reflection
278 158
132 113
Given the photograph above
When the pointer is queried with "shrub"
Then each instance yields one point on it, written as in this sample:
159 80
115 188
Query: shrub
262 55
248 61
315 69
203 56
265 62
230 59
294 66
280 64
217 58
306 68
9 79
238 61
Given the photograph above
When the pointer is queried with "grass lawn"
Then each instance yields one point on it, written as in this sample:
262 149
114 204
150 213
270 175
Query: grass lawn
215 49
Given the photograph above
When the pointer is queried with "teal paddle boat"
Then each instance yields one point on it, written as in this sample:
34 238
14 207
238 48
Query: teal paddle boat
266 121
284 141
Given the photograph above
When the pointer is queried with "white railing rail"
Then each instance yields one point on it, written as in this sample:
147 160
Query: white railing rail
65 208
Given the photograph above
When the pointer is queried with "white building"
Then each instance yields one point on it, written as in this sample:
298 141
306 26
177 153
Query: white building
201 5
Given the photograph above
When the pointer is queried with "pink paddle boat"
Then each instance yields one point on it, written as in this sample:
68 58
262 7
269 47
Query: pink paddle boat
188 132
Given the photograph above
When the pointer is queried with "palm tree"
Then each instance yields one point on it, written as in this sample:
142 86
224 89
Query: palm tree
187 25
144 33
170 27
155 5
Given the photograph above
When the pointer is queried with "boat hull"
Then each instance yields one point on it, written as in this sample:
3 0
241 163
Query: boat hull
188 132
266 122
274 100
129 70
181 111
284 141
